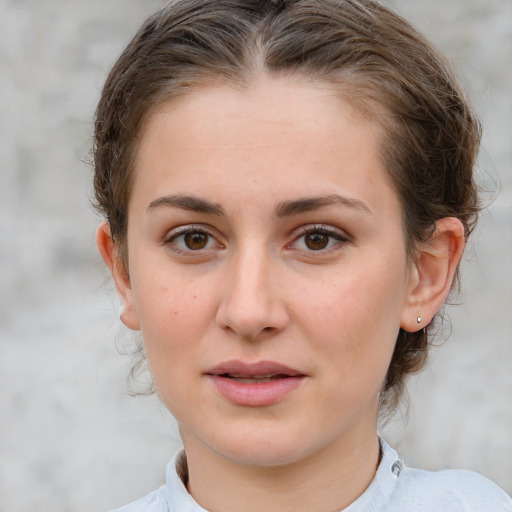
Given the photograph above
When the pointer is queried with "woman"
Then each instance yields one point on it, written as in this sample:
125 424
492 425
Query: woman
288 189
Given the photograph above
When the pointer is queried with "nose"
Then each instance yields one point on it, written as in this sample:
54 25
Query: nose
252 305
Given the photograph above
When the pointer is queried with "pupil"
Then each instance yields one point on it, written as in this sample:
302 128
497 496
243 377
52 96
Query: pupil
196 241
317 241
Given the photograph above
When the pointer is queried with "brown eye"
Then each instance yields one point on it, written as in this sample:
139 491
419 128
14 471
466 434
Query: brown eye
191 240
196 241
316 241
321 239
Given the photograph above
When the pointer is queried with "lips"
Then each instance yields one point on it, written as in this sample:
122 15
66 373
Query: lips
254 384
254 379
260 370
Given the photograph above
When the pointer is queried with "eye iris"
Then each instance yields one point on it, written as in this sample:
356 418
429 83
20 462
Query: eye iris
196 241
316 241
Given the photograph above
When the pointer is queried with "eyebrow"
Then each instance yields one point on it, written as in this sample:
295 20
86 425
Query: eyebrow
308 204
285 209
190 203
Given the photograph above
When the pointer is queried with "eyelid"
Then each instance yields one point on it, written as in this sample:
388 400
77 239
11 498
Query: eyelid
178 231
184 229
341 236
324 228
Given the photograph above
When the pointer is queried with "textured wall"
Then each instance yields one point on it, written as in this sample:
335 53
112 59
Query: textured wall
71 440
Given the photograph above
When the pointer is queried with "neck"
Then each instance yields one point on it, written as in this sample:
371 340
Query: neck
327 481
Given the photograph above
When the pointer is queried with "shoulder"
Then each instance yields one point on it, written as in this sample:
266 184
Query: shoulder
450 491
152 502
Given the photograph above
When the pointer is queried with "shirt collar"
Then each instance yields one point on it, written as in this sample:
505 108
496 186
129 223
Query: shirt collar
378 494
374 499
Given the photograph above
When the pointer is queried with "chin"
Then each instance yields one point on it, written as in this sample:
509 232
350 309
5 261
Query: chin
271 449
256 456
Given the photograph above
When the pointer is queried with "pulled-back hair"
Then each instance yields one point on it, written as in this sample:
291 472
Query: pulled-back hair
374 59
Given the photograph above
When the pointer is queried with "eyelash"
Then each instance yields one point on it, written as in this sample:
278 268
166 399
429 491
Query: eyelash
339 237
182 231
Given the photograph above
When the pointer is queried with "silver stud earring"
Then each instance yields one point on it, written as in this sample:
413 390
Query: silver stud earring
419 319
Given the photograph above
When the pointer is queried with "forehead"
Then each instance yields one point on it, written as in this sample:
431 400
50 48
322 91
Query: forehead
285 134
268 100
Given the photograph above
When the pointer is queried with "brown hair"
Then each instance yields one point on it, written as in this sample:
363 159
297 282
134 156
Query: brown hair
374 58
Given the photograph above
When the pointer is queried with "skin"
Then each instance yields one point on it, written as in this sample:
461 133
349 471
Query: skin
254 287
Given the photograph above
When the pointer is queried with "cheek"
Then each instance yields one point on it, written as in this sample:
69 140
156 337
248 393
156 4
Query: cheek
355 318
173 321
351 304
173 313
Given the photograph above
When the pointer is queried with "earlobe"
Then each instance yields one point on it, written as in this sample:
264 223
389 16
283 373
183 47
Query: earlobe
433 273
110 255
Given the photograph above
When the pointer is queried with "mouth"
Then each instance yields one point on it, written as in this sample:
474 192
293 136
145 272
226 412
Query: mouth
254 379
263 371
255 384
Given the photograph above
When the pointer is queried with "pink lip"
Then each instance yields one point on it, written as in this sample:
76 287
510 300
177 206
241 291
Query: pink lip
230 379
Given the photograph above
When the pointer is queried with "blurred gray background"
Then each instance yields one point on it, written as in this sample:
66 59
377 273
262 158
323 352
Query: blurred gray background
71 439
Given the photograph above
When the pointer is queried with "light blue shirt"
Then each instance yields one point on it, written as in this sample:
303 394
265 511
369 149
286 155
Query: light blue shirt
395 488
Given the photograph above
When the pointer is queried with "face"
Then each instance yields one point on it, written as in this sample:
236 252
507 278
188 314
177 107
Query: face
267 269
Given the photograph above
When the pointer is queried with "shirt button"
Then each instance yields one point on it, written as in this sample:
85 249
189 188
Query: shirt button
396 468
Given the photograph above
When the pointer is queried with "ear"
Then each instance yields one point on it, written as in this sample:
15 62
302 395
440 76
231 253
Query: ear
110 256
432 274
